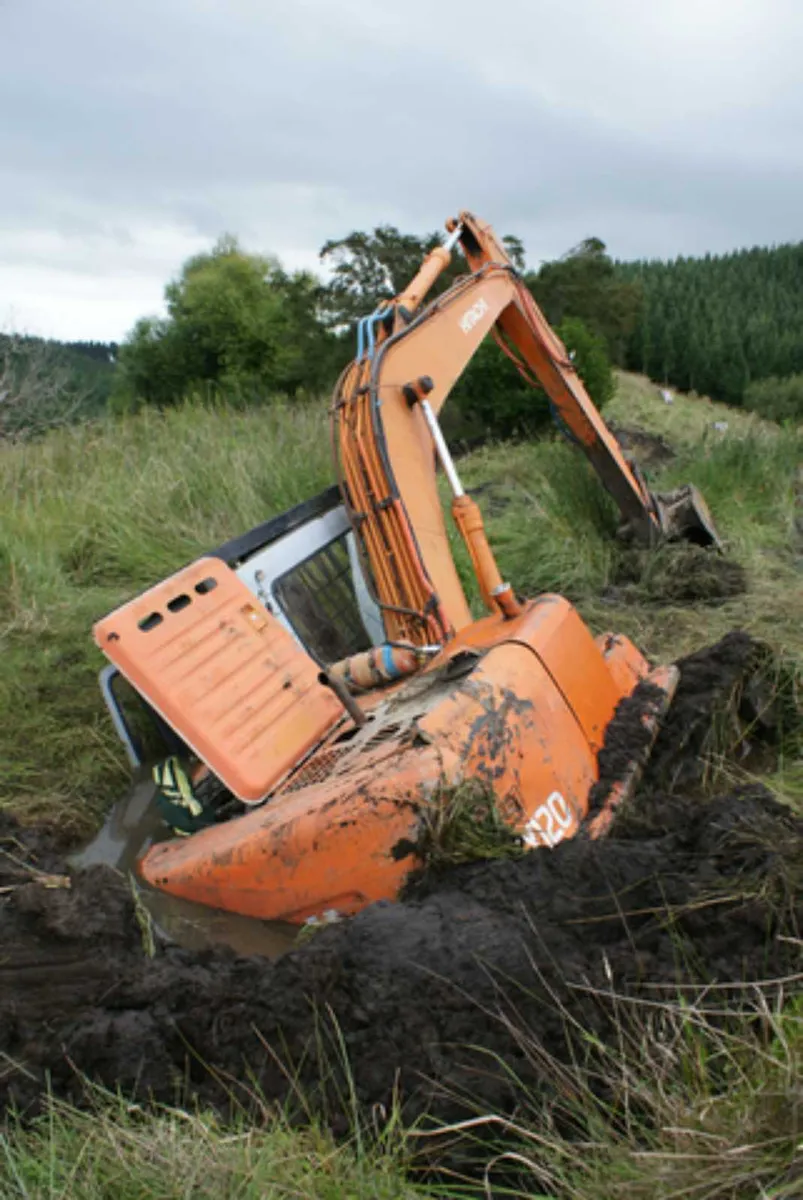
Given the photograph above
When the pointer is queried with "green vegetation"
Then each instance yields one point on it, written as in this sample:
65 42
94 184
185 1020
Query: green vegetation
463 824
117 1152
589 353
237 327
776 399
494 400
368 268
715 324
44 384
585 283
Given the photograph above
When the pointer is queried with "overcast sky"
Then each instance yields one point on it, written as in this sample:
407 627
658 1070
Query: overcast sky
133 134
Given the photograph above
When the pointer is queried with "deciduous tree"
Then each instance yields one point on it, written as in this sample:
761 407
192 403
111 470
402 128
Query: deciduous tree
237 324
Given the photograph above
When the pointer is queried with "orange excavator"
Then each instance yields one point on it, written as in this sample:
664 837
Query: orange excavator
322 679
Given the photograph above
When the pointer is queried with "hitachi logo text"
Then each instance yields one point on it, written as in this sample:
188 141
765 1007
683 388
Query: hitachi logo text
473 315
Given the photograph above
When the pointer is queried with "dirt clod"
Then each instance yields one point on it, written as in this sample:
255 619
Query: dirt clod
647 449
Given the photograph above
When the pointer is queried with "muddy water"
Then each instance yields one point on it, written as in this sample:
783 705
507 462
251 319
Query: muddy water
130 828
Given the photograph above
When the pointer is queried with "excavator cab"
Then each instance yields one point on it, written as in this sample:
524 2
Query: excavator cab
302 567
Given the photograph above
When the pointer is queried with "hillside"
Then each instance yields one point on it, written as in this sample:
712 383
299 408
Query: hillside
95 513
46 383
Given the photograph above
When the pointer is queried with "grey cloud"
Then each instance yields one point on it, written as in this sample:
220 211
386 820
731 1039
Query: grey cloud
291 122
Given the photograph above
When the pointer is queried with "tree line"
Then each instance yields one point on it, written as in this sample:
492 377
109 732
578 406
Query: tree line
240 328
720 324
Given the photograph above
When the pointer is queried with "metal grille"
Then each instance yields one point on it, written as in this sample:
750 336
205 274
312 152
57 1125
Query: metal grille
319 600
315 770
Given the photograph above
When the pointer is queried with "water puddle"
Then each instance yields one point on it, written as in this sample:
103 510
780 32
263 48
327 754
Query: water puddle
132 825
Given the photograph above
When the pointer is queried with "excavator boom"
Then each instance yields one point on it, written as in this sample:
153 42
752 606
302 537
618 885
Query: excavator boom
409 359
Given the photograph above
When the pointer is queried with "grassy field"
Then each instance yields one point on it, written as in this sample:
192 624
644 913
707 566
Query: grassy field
94 514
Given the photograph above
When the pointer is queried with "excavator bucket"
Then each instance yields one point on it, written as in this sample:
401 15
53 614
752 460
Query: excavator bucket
684 516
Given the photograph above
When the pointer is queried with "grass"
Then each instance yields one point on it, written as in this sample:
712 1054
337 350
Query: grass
117 1152
91 515
692 1102
462 824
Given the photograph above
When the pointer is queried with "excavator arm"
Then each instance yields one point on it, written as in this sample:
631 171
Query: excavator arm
385 412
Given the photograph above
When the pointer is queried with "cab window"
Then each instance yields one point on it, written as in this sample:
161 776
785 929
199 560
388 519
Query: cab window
318 599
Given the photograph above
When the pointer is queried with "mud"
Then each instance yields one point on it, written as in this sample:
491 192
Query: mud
648 449
26 851
627 741
724 704
679 573
691 891
134 823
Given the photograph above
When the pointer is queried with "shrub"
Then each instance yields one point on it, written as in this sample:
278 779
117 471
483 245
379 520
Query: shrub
589 352
501 403
238 328
776 399
494 398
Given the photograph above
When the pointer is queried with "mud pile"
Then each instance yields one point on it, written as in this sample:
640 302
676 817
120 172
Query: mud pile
648 449
423 998
679 573
726 704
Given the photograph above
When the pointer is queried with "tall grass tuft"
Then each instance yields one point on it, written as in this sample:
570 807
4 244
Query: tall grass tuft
691 1101
462 824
